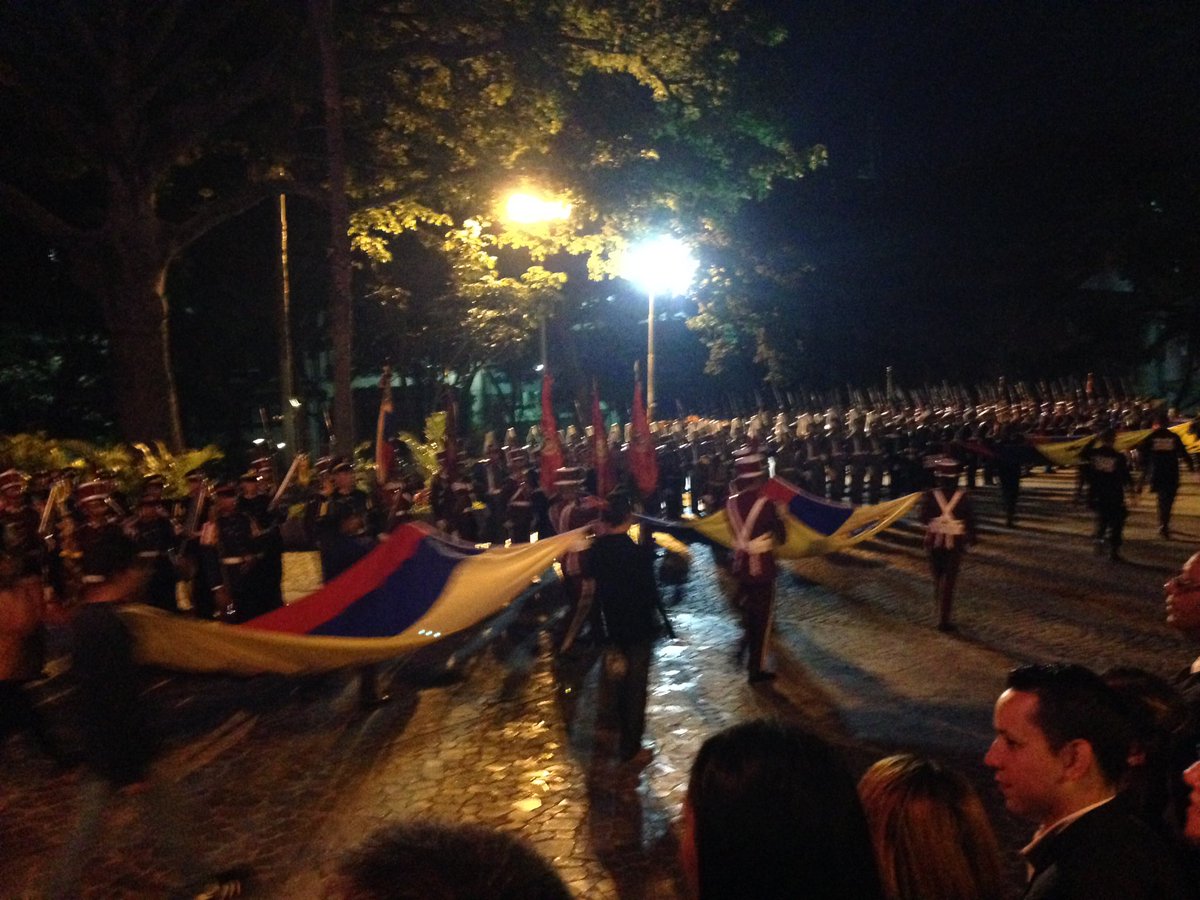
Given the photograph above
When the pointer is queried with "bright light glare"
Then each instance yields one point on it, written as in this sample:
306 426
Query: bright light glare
295 403
258 441
528 209
538 367
662 266
280 445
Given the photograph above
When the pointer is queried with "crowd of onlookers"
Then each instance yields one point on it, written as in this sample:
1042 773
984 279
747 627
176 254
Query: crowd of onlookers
1101 765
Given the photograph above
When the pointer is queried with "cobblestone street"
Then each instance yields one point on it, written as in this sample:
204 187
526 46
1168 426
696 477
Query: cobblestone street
288 773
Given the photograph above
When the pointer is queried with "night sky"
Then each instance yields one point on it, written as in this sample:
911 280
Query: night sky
984 161
982 156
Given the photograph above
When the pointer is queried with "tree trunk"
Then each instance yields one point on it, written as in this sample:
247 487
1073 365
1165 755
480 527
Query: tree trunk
341 313
125 266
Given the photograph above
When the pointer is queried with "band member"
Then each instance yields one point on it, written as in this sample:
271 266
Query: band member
757 528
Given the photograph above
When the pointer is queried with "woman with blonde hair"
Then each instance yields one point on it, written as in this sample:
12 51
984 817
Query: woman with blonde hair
932 837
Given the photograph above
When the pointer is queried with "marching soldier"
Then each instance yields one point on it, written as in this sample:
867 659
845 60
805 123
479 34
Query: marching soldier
100 544
190 514
230 553
19 524
757 528
154 541
573 509
343 522
491 481
949 529
518 497
256 503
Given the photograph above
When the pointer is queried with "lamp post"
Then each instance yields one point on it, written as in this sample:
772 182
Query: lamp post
661 266
523 209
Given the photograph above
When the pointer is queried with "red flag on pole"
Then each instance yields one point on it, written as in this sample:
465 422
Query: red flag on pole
552 454
600 457
642 461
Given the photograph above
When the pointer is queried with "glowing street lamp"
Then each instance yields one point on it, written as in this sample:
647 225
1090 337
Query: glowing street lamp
661 266
529 209
523 208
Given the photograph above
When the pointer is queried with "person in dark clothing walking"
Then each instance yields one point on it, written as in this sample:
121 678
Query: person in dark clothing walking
1110 481
119 745
627 596
1012 454
1163 449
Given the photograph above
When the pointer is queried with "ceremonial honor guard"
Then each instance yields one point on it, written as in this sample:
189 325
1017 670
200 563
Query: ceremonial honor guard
19 539
100 544
230 554
757 527
154 541
343 526
518 507
267 578
491 482
573 509
190 514
949 529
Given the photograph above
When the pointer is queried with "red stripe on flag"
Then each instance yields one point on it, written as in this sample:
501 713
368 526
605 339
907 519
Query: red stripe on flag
364 576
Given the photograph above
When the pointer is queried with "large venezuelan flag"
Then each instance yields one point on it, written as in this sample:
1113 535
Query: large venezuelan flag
1070 453
414 588
815 526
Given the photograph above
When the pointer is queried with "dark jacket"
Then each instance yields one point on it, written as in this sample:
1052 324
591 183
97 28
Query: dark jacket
625 589
1106 854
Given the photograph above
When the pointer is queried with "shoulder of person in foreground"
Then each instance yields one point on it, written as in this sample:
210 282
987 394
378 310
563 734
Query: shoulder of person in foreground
418 860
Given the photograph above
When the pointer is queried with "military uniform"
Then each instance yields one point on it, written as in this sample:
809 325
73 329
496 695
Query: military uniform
570 510
230 553
154 543
343 526
757 528
19 539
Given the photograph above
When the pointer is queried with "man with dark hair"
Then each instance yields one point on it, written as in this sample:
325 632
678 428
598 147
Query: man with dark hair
1062 743
441 861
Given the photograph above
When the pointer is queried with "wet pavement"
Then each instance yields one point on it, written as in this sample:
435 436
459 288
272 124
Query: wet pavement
286 774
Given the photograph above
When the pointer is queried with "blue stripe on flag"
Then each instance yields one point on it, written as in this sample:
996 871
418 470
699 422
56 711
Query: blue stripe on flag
402 599
819 515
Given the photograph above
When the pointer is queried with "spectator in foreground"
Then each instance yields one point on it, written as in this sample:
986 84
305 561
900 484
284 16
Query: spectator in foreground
932 837
771 813
1062 746
1164 743
443 861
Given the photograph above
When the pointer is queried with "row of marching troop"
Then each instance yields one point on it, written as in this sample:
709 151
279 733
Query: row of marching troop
215 545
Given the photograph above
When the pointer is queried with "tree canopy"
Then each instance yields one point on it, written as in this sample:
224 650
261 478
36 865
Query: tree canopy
136 129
